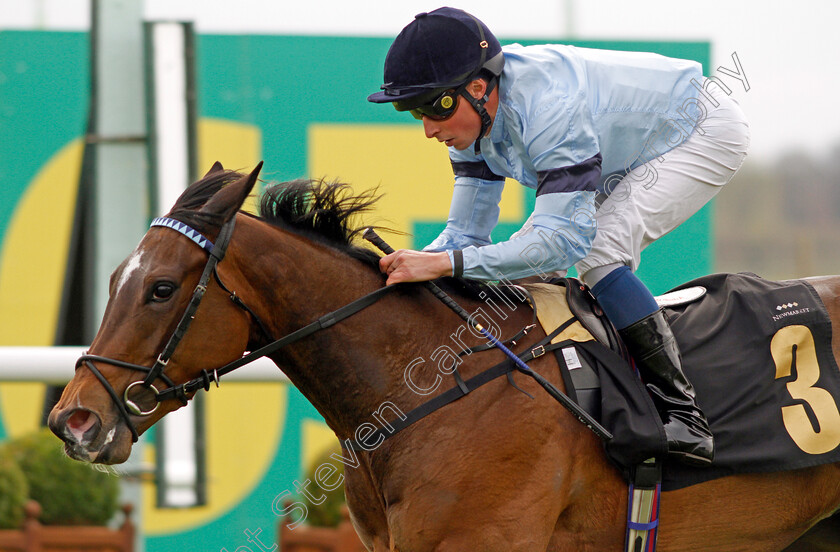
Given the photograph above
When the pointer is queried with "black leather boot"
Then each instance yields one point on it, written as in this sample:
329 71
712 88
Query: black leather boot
653 347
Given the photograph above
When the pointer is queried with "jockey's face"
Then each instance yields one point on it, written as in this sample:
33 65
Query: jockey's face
461 129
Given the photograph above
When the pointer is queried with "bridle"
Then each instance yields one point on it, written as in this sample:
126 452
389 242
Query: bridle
126 407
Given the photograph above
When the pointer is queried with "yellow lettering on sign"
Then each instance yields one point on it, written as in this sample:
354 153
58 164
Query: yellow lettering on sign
413 174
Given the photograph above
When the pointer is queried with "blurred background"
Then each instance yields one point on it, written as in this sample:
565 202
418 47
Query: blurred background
286 82
788 52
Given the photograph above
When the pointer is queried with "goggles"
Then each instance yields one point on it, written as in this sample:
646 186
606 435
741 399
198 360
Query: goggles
441 109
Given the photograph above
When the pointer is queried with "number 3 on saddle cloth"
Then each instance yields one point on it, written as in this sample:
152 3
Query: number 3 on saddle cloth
759 356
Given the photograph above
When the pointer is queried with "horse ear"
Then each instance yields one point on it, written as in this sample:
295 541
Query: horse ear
227 201
217 167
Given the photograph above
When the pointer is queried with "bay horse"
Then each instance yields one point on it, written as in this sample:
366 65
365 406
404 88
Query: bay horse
494 471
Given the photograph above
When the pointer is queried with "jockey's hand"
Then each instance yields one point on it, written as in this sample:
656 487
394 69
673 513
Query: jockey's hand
407 265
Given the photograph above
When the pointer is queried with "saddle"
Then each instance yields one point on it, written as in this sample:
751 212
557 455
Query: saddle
595 368
554 304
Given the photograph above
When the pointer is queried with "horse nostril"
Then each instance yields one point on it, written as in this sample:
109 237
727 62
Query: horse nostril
81 423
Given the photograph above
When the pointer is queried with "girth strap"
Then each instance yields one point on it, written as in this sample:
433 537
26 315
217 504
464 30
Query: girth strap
644 493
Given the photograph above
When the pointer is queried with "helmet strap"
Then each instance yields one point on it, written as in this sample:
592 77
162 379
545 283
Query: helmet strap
478 105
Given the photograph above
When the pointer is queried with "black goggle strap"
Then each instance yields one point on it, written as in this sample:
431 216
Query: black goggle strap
216 255
478 105
446 103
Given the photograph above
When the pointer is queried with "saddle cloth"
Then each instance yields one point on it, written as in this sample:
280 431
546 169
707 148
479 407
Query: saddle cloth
759 355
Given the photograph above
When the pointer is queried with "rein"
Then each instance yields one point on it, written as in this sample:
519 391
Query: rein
203 381
126 407
582 415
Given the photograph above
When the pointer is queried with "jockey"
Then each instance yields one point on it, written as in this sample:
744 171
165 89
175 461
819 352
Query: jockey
646 136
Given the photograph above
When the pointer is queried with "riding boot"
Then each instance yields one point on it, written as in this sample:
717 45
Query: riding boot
652 345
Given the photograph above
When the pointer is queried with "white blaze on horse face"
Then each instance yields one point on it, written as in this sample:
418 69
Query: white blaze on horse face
134 262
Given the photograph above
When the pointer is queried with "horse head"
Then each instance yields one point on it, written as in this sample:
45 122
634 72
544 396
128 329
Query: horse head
142 346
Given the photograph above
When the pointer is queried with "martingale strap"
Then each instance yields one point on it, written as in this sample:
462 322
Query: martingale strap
376 438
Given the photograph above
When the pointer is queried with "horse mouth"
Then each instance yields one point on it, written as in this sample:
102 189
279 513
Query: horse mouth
77 452
105 454
86 439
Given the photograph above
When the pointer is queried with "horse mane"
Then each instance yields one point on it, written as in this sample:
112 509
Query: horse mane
322 210
319 209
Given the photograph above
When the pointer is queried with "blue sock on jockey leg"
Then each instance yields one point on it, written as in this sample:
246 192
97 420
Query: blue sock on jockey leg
626 301
624 298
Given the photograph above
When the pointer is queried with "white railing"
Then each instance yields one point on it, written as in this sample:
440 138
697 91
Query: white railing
55 365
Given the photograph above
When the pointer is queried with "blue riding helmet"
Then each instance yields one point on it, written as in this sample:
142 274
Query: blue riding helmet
440 51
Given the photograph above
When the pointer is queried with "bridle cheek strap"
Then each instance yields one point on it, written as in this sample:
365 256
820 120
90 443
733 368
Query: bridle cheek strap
217 253
181 391
124 404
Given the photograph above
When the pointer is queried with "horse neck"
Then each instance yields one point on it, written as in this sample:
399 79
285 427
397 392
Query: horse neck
351 369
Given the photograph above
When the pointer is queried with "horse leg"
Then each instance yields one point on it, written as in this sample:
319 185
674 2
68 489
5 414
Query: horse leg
366 509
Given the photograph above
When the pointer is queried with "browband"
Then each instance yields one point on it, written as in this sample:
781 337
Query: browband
191 233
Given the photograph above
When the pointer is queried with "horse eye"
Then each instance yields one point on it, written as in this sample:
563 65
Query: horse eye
162 291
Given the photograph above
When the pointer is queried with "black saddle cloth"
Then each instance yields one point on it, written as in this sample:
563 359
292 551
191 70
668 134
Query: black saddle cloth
758 353
770 409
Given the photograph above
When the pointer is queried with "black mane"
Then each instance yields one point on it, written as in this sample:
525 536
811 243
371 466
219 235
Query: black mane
325 211
322 210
